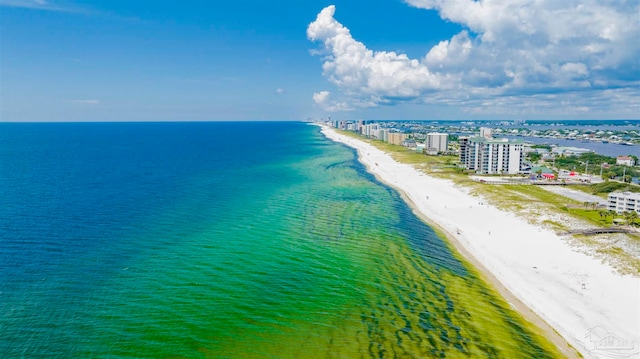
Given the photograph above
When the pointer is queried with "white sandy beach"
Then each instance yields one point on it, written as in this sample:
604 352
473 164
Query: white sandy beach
581 298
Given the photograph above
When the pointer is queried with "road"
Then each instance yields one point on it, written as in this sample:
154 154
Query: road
575 194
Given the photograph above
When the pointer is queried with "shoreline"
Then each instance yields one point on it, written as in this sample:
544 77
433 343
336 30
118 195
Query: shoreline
566 294
485 274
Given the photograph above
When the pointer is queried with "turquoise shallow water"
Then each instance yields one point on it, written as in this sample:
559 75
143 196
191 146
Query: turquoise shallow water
225 240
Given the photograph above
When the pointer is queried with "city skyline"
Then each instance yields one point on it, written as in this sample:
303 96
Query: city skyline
291 60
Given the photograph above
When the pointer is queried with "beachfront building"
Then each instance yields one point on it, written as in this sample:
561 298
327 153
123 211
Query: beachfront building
625 161
463 142
624 202
437 142
492 156
384 135
396 138
371 130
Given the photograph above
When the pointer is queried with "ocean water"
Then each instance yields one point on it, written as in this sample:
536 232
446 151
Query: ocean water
226 240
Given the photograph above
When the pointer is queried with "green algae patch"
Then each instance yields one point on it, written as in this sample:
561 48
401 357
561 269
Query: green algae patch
396 305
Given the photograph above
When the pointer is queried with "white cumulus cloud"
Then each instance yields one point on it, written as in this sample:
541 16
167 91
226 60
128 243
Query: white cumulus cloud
323 99
381 75
510 49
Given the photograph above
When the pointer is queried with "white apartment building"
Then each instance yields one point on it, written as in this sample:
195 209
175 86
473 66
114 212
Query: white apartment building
623 202
383 135
370 129
491 156
437 142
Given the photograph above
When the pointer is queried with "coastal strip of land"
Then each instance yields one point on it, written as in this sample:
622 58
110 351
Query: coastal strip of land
557 288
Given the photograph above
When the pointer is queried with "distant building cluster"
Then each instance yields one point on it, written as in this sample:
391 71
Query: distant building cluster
477 148
482 154
569 151
439 141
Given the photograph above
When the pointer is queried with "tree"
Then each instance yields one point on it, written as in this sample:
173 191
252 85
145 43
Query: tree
630 217
534 157
603 215
633 215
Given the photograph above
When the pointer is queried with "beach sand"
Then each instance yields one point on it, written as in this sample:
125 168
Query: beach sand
552 285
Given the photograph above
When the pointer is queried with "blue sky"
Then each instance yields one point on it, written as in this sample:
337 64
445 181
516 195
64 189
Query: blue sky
292 59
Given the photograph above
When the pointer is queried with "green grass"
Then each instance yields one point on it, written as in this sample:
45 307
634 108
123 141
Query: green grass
513 196
611 186
509 196
591 215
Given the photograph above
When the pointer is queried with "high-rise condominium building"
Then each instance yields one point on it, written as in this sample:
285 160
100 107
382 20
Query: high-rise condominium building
491 156
437 142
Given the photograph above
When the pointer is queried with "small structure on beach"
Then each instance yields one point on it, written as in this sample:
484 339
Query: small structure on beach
409 143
